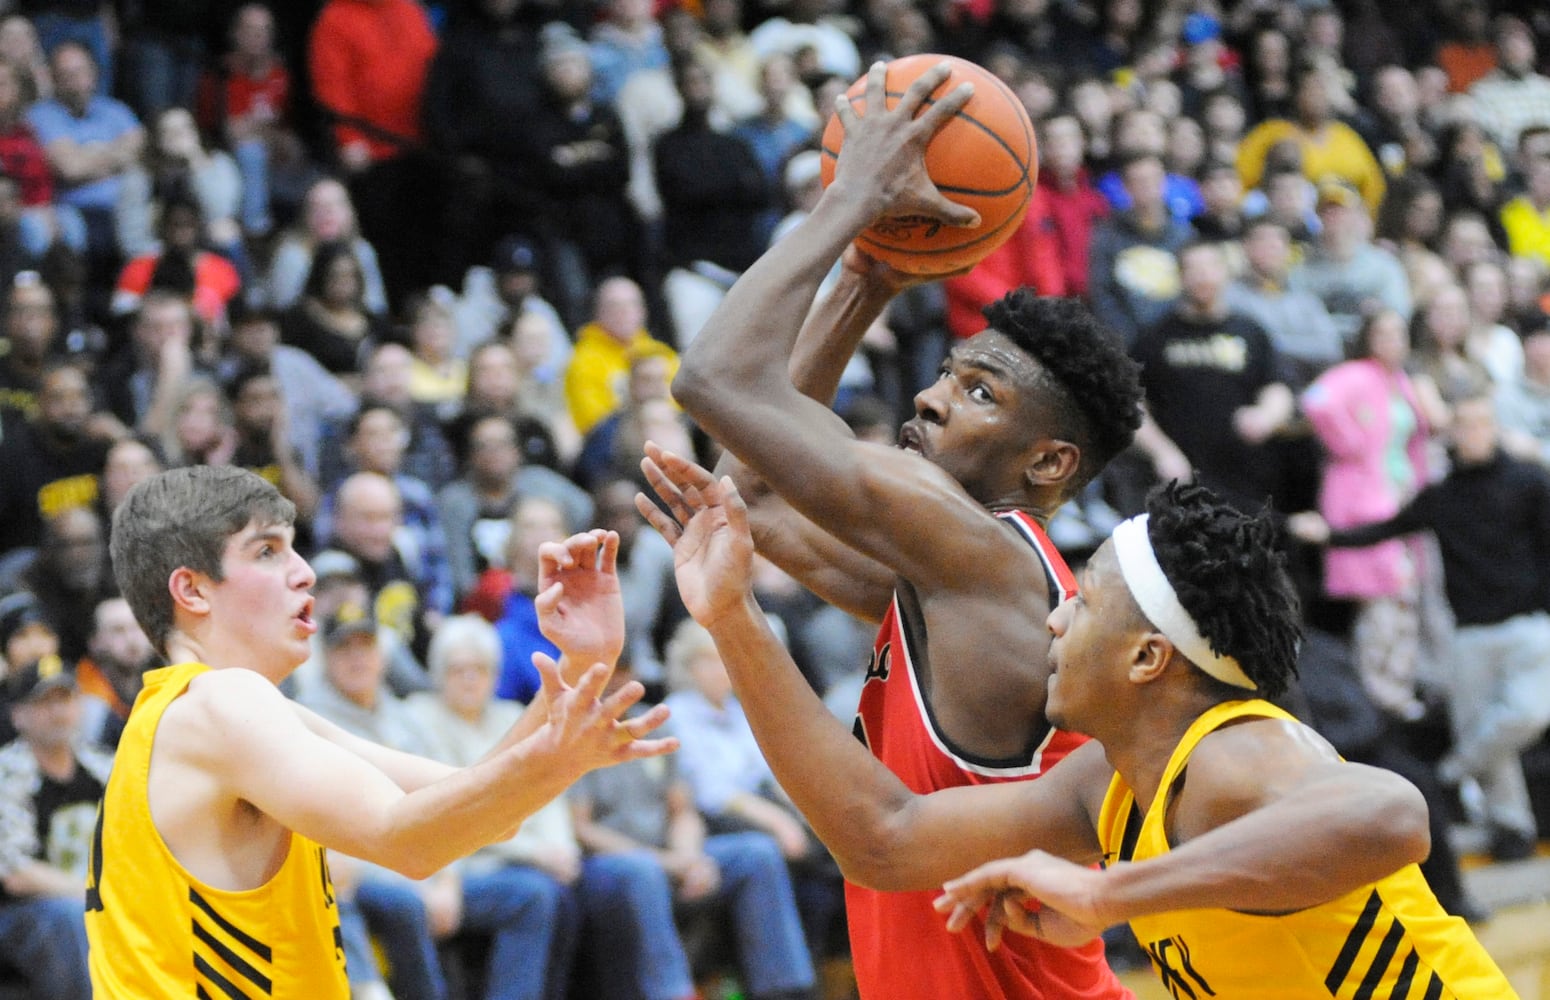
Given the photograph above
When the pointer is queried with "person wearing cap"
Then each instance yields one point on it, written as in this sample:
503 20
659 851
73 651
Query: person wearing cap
1263 876
1345 269
25 633
25 636
213 863
1329 146
1207 66
50 782
496 295
374 900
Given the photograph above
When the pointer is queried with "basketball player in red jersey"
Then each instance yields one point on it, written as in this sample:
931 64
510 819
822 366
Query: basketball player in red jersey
941 540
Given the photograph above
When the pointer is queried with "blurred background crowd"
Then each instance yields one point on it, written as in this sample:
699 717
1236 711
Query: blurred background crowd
426 267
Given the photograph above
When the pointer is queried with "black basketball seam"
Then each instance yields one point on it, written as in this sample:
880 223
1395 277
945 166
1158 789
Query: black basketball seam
905 250
1024 119
952 189
1017 159
981 192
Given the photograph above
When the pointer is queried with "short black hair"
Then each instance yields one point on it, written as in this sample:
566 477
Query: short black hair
249 371
1230 575
1094 386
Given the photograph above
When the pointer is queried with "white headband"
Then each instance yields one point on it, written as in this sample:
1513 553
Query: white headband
1158 601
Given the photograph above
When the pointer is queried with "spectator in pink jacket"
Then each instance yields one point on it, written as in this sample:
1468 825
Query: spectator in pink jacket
1371 418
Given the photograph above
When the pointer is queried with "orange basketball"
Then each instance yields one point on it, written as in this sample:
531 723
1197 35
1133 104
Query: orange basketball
985 157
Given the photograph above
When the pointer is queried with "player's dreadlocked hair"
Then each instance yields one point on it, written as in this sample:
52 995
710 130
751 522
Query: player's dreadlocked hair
1231 578
1094 386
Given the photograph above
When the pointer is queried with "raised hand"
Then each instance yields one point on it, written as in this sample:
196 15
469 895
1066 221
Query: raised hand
1037 894
707 525
579 607
884 149
587 733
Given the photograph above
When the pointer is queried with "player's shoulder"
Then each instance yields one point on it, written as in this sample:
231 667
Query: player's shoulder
218 710
1252 760
1248 742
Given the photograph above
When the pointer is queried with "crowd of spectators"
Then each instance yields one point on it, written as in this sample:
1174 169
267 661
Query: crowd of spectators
426 267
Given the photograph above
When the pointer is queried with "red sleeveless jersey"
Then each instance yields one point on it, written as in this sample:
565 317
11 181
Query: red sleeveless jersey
899 944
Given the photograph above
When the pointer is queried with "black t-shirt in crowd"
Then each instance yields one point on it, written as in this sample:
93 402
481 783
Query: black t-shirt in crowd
1196 374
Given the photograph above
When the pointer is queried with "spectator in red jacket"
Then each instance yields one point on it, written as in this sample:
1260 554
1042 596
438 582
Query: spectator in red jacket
1075 206
369 60
1030 257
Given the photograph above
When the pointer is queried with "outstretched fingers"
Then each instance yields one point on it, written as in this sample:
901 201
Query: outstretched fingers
657 518
631 733
725 495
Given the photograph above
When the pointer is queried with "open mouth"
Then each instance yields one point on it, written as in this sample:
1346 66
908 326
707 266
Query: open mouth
304 617
909 439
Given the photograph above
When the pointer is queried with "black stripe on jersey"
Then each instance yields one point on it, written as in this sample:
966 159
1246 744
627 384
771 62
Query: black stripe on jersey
254 945
231 958
1353 944
1380 961
217 980
1401 988
200 993
1132 834
1433 989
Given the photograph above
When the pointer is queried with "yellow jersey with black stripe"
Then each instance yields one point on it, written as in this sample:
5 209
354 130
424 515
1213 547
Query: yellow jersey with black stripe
157 931
1390 939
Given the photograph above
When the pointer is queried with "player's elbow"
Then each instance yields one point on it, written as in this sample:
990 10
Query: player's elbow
696 385
1393 829
882 856
1410 820
411 864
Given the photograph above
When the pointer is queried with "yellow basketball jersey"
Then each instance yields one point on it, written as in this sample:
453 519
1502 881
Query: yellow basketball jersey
1389 939
157 931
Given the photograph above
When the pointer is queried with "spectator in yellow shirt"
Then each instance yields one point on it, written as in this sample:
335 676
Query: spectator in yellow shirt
600 367
1330 148
1526 218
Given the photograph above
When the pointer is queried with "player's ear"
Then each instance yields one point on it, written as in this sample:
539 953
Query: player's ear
1153 651
1053 462
187 588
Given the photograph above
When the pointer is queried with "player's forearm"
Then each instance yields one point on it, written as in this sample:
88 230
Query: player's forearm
430 828
745 349
832 332
807 747
1329 839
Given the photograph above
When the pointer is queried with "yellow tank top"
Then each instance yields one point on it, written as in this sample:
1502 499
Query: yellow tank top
1388 939
157 931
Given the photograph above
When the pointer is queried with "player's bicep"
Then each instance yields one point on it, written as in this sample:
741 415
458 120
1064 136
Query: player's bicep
269 758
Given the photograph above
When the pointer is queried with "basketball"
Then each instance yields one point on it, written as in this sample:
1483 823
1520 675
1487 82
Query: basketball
985 157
